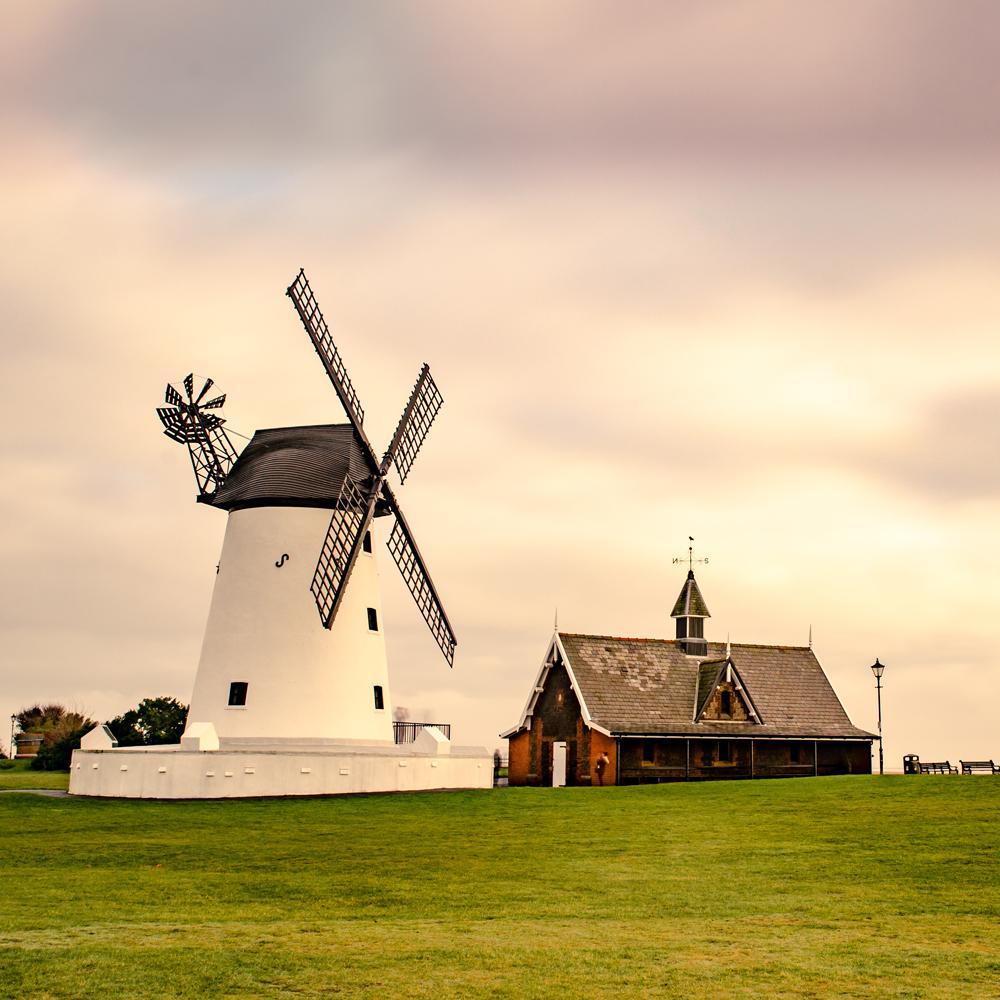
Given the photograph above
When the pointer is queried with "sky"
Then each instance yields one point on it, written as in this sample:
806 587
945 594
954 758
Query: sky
725 270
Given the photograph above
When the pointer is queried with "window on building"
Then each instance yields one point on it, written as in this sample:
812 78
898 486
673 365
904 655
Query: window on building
648 752
238 693
379 700
366 543
726 703
373 619
725 752
795 754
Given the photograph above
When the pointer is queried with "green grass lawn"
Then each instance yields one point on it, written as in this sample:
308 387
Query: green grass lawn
826 887
21 776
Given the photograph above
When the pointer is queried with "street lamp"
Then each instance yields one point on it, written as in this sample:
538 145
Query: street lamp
13 753
878 669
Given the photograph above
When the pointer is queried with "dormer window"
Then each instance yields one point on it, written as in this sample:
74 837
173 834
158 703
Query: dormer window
726 703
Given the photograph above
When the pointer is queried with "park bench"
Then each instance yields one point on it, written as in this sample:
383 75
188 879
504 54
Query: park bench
979 767
937 767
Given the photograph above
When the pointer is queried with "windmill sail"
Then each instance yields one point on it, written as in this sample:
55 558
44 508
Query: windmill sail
319 333
356 504
341 546
411 431
411 567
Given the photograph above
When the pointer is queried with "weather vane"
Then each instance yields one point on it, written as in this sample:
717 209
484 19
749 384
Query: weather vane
690 556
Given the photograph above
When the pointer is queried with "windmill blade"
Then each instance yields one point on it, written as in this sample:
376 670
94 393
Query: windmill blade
189 384
208 385
172 396
312 319
341 546
411 566
173 424
214 404
411 431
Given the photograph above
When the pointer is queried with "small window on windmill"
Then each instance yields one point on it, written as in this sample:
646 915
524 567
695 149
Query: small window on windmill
366 544
379 700
238 693
648 752
794 754
726 703
372 620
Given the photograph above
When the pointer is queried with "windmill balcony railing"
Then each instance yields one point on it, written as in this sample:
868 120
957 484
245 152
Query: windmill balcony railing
406 732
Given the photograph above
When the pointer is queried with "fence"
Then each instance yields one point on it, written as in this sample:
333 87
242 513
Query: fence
406 732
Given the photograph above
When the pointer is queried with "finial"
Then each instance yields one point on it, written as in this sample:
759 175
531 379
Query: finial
555 624
810 635
729 649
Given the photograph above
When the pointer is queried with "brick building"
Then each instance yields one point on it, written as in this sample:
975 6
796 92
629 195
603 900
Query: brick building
681 709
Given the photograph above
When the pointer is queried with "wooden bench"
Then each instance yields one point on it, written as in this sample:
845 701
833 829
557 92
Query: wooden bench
979 767
937 767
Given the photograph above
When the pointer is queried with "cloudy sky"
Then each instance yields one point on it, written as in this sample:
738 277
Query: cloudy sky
726 269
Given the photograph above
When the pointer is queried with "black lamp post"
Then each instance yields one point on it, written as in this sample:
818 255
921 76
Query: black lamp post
877 670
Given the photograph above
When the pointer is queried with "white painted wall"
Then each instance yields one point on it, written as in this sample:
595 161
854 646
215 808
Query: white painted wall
173 773
263 628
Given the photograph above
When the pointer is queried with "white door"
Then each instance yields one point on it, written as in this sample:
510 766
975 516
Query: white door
558 765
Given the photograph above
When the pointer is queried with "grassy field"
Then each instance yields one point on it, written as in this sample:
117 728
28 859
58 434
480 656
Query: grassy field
859 887
21 776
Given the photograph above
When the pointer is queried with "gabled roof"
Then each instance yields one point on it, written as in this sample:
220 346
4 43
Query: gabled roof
649 686
690 603
711 674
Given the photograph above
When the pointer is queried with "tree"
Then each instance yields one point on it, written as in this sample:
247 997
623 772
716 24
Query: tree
61 731
153 721
58 745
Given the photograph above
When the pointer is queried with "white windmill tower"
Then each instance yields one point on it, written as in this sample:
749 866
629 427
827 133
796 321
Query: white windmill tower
293 648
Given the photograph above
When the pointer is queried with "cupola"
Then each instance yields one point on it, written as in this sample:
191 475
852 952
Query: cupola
690 611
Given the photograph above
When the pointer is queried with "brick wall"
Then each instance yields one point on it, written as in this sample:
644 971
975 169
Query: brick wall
519 757
739 711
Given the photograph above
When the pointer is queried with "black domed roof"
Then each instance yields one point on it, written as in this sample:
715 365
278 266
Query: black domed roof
293 467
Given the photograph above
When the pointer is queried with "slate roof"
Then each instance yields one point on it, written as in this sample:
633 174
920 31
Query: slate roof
690 603
633 686
293 466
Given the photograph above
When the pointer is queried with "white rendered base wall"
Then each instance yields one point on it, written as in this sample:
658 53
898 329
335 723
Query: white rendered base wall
242 769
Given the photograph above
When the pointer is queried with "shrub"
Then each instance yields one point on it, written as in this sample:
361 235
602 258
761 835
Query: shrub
57 748
7 764
153 721
61 731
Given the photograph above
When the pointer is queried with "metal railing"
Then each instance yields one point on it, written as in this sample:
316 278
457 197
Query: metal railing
406 732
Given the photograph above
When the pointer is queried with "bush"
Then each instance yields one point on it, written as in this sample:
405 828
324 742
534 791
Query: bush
61 731
154 721
7 764
57 748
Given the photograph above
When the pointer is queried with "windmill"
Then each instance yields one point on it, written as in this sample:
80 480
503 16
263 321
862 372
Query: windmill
302 505
185 421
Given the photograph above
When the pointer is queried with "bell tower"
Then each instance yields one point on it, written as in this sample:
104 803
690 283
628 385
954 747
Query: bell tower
690 610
